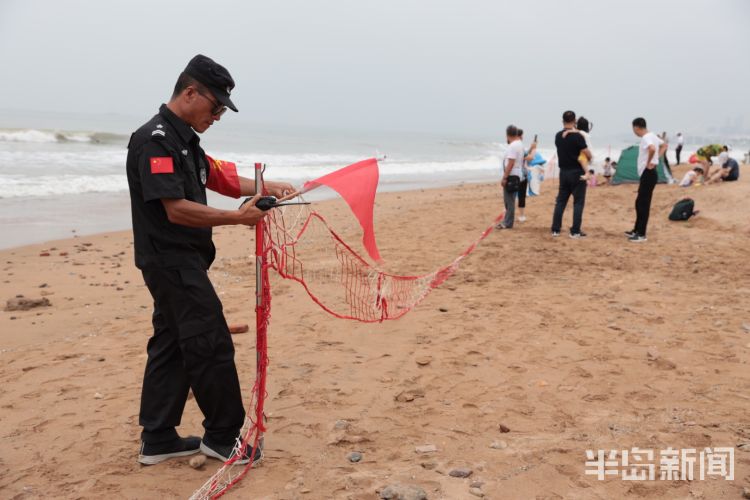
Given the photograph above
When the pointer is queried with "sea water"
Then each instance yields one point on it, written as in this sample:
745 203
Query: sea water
64 175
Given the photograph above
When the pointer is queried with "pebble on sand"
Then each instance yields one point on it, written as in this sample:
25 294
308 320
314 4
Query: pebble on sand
461 472
354 456
426 448
402 492
198 461
424 360
21 303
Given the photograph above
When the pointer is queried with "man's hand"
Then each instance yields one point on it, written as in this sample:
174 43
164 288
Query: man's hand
248 214
278 189
504 181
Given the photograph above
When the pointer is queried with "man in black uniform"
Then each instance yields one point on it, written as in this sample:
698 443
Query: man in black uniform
191 348
569 147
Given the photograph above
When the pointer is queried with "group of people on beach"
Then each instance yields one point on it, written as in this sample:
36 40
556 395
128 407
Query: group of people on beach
728 168
574 157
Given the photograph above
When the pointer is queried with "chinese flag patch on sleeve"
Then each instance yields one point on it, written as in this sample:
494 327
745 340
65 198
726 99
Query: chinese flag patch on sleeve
161 165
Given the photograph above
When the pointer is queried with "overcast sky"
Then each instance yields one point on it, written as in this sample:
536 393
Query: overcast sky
423 65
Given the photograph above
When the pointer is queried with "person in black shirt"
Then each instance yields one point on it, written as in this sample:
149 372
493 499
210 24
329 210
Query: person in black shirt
569 147
191 348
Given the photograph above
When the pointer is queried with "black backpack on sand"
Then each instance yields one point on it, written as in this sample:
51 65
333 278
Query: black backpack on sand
682 210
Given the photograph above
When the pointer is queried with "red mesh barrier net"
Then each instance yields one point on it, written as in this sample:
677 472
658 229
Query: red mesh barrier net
299 245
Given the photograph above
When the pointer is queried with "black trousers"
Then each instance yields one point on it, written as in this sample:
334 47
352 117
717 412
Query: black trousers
191 348
570 184
522 193
677 151
643 200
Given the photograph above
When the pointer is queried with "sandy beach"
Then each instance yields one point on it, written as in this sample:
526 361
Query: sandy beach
535 351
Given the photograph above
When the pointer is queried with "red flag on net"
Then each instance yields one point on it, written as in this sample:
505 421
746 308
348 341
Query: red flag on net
356 184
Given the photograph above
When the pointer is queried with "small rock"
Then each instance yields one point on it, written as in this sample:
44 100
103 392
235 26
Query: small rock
354 456
503 428
653 354
744 447
461 472
443 309
100 359
427 448
98 395
402 492
499 445
63 254
43 285
476 492
198 461
409 395
341 425
20 303
424 360
745 492
44 254
305 491
476 484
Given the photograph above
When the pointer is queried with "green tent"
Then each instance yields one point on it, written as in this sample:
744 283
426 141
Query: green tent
627 167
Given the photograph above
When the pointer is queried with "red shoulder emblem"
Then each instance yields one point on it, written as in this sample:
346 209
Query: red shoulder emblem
162 165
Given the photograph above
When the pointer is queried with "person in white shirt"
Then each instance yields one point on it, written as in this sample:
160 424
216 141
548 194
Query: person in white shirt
691 177
649 151
678 149
608 170
512 174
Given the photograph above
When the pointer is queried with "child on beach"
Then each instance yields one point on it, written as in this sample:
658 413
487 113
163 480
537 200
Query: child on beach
607 170
592 178
583 127
691 177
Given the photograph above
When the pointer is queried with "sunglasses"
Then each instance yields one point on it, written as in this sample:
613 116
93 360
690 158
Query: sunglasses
218 109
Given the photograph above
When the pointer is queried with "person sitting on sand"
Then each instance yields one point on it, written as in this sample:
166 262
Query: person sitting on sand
691 177
729 170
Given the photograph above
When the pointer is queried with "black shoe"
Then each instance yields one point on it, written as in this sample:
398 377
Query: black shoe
154 453
630 233
637 238
578 236
224 451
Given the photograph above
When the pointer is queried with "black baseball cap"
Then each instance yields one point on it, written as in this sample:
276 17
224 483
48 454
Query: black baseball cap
214 76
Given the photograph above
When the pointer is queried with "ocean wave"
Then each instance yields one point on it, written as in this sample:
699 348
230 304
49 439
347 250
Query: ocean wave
52 185
59 136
